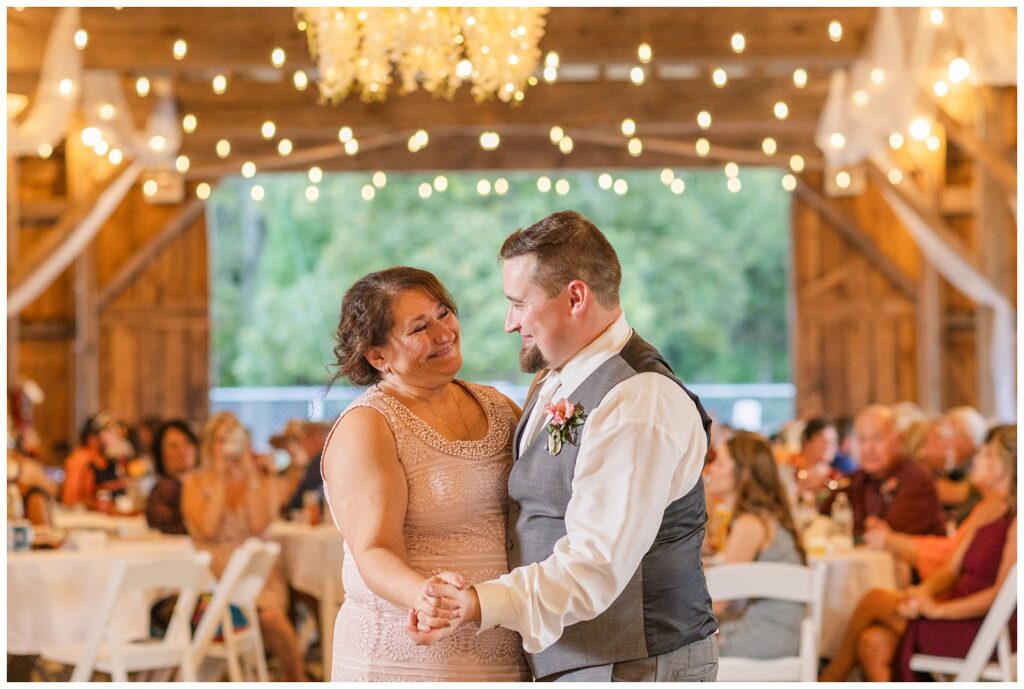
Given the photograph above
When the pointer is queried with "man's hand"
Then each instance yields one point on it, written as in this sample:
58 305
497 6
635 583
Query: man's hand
876 534
436 600
435 605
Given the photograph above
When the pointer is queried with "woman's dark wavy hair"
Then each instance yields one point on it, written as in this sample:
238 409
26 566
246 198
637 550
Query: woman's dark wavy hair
367 315
759 488
158 441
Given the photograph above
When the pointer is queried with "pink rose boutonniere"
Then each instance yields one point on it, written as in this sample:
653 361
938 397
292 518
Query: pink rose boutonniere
566 419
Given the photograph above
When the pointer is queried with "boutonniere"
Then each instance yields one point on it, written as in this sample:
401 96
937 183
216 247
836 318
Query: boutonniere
889 487
566 419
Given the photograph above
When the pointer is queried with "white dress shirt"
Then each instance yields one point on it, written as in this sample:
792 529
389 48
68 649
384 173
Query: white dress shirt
617 502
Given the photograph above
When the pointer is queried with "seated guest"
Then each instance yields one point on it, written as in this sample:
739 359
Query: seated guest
887 486
98 463
942 615
174 455
844 462
745 477
305 447
818 445
227 500
964 430
928 553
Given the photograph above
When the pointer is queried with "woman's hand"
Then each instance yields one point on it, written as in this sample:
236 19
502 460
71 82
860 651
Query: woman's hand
435 605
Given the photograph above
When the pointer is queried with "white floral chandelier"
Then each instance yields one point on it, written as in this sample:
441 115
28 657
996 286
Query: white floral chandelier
366 49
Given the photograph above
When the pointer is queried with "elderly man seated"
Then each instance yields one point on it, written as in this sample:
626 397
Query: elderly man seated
887 486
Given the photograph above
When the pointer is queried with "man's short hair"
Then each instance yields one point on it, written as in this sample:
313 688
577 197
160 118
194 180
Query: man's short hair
568 247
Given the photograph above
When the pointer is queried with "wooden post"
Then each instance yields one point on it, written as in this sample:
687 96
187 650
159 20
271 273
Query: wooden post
13 236
81 170
929 339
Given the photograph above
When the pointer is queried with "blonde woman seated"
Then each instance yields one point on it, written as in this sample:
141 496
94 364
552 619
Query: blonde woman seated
227 500
744 475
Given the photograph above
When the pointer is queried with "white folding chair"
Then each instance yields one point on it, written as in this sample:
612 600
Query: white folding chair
239 585
993 635
106 650
777 580
331 598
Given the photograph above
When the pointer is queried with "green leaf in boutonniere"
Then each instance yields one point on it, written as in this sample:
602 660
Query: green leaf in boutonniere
566 420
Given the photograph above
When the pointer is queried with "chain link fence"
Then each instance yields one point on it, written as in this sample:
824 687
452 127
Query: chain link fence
264 411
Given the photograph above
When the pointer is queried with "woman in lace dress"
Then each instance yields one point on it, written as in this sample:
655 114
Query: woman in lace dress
416 477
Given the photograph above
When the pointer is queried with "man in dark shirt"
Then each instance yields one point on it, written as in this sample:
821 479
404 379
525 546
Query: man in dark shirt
308 442
893 489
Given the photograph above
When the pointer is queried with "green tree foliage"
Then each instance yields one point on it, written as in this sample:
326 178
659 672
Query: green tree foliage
705 272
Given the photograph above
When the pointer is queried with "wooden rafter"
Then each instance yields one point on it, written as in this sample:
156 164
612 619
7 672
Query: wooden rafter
858 238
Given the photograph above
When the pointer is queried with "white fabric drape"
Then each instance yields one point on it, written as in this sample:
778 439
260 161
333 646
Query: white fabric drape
30 289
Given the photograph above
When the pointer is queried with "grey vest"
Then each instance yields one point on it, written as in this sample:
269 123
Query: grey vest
666 604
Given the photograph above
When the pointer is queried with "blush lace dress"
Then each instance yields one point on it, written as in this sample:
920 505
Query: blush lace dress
456 520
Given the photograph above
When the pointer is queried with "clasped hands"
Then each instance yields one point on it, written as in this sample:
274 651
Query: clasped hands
917 603
442 605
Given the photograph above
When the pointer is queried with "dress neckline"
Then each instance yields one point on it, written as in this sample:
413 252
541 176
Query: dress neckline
422 424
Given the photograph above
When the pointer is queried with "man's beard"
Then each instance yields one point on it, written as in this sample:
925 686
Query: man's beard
531 360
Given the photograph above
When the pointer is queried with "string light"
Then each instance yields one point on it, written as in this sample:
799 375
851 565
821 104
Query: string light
203 190
277 57
604 180
678 186
843 179
667 176
501 186
101 148
284 147
738 43
181 164
315 174
643 53
769 146
941 88
799 78
352 147
896 140
788 182
933 143
837 141
489 141
703 147
877 76
562 187
220 84
441 183
91 136
628 127
556 134
157 143
543 185
635 147
637 76
66 86
368 192
189 123
150 187
734 185
719 77
565 145
180 49
781 110
380 180
344 134
223 148
483 187
115 156
81 39
936 16
312 193
46 150
268 130
920 128
142 87
835 31
248 169
895 175
796 163
300 80
860 98
959 70
620 187
256 192
704 119
732 170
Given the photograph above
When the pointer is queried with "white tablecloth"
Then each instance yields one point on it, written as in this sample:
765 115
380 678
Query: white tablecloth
312 555
848 576
52 594
72 520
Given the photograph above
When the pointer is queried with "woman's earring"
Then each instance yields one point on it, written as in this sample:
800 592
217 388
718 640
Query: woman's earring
387 370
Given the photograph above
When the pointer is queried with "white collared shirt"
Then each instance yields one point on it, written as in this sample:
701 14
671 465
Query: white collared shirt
617 502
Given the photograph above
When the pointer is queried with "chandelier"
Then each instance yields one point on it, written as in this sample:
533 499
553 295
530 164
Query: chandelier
366 49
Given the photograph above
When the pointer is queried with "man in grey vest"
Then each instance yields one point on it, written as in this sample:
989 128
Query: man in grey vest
607 511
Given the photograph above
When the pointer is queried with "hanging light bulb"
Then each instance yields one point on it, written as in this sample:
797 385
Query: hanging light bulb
441 183
188 123
277 57
788 182
796 163
312 193
142 87
738 42
543 185
781 110
628 127
734 185
66 86
635 147
556 134
315 174
81 39
300 80
677 186
501 186
489 141
368 192
703 147
940 88
620 187
268 130
800 78
483 187
352 147
223 148
719 77
284 147
379 179
643 53
959 70
667 176
425 190
704 119
180 49
562 187
837 140
920 128
565 145
835 31
769 146
257 192
637 76
220 84
150 187
896 140
248 169
604 180
732 170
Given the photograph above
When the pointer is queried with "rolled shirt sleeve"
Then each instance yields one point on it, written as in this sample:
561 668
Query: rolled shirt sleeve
641 449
